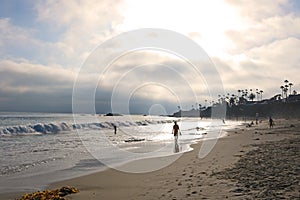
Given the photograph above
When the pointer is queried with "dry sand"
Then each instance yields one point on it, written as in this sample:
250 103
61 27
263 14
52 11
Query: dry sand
249 163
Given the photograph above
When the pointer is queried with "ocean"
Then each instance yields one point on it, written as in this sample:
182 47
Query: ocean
40 148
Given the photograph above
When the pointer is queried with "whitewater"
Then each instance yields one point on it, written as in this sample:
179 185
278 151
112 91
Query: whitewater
40 148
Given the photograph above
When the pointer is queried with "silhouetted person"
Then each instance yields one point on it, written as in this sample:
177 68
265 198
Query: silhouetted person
271 122
175 130
256 118
115 128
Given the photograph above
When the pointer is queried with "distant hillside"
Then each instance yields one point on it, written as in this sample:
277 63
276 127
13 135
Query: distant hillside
275 109
266 108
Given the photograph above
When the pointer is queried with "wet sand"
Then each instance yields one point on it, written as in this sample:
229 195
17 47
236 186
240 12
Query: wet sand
249 163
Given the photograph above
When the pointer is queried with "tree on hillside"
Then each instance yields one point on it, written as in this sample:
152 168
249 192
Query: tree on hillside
285 90
239 92
294 92
282 90
286 81
290 84
232 100
252 96
261 92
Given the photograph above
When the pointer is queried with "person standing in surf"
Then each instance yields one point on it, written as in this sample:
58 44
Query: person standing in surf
175 130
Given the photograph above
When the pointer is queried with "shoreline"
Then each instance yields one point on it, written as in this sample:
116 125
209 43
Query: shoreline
188 177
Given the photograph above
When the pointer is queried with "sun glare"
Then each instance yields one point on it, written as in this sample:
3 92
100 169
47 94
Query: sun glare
206 22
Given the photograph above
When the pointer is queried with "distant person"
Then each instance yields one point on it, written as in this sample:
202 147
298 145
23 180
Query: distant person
250 124
256 118
175 130
271 122
115 128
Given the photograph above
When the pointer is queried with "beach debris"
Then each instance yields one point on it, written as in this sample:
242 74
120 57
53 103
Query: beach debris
57 194
134 140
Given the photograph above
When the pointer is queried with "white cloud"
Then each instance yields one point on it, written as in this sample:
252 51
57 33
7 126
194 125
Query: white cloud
263 67
17 42
264 52
257 10
23 76
280 58
254 44
85 23
264 32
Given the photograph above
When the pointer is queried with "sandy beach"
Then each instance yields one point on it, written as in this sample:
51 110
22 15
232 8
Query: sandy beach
250 163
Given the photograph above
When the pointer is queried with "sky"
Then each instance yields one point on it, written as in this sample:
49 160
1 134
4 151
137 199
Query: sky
46 45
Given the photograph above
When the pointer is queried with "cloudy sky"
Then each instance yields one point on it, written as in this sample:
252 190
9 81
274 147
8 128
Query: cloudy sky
44 45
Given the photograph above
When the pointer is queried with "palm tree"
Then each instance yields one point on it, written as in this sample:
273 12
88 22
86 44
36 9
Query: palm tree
294 92
286 91
261 92
245 93
200 106
290 84
282 89
219 98
252 96
239 91
231 101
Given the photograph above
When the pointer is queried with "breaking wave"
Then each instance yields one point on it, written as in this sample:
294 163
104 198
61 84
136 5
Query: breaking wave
53 128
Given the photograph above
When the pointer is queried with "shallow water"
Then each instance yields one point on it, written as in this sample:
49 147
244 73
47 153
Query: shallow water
37 149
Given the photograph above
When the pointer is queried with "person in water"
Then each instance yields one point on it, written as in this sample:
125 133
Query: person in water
175 130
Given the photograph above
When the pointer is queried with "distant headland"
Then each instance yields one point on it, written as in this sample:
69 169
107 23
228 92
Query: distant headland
250 104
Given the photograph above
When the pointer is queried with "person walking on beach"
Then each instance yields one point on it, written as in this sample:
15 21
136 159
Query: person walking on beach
271 122
175 130
115 128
